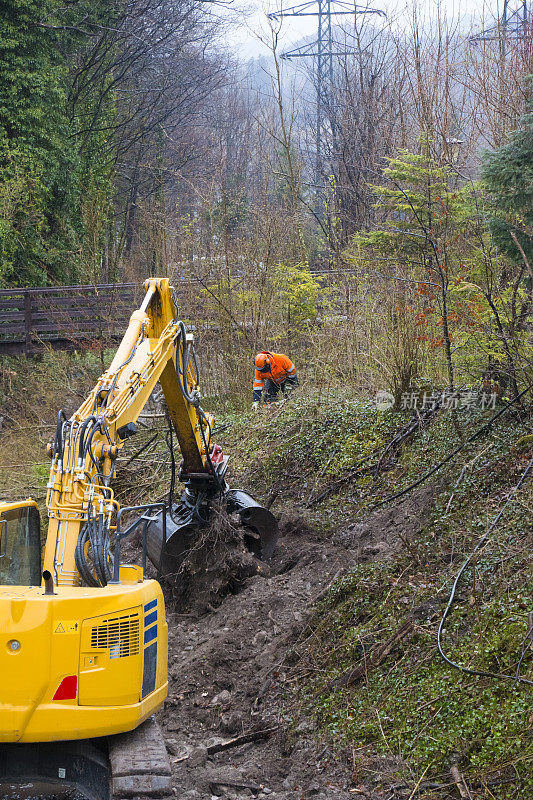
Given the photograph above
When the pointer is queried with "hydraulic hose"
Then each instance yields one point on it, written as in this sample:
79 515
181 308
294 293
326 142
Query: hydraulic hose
97 425
102 567
85 424
98 566
170 444
80 559
207 445
58 439
182 364
96 534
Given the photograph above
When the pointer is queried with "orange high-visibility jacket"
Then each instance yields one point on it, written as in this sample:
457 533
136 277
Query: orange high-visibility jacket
281 368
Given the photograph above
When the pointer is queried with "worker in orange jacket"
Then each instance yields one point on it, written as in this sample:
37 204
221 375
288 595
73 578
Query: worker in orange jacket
273 371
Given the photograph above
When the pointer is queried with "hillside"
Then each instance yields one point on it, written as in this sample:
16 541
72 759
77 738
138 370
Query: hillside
365 667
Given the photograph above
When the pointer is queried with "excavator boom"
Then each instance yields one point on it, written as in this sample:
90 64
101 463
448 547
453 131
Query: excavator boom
80 498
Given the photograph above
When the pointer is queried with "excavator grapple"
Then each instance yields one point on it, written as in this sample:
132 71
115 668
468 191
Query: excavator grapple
83 643
169 540
261 525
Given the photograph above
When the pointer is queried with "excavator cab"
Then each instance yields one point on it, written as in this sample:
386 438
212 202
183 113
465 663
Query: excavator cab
20 544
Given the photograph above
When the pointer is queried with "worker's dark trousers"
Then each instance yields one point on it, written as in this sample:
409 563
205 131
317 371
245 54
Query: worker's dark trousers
272 389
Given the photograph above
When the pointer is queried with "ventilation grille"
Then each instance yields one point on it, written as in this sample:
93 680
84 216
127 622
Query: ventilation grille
119 635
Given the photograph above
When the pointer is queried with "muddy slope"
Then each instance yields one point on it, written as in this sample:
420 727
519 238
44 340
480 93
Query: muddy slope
227 677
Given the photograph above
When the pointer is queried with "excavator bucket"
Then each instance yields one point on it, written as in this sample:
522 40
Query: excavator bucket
168 545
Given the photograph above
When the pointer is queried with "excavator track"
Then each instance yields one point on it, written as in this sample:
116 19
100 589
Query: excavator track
128 766
140 769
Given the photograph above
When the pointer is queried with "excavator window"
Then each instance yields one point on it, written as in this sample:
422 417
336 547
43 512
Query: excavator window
20 546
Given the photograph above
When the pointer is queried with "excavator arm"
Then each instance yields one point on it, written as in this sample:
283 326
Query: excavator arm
80 499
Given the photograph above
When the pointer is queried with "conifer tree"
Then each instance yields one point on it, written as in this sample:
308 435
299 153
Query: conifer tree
508 176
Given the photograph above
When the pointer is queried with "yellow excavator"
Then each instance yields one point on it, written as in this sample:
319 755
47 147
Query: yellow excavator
83 641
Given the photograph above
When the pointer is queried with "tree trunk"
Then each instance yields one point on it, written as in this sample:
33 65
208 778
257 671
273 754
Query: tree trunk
446 332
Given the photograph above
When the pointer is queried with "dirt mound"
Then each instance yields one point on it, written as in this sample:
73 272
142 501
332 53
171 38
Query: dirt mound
227 679
227 675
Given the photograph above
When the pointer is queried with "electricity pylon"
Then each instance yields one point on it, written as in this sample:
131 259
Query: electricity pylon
514 23
323 50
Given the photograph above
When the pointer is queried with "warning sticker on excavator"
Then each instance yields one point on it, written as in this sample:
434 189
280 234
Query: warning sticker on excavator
67 626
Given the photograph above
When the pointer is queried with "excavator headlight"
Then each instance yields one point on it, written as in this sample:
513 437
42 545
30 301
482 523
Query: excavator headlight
13 645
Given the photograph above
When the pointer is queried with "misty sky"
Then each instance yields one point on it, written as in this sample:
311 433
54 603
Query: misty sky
243 40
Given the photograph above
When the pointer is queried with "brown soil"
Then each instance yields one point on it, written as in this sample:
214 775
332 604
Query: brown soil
227 675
